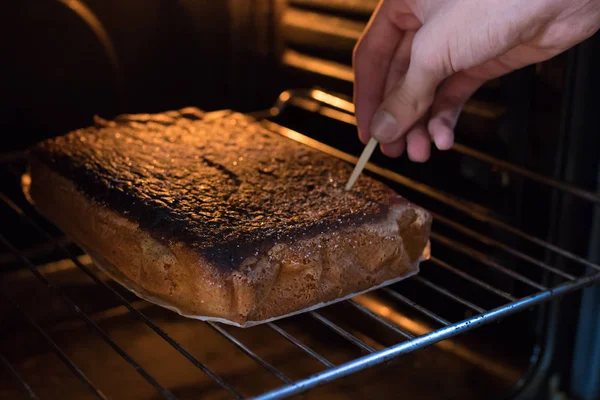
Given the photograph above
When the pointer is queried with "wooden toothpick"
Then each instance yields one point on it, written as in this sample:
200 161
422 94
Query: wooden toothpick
362 161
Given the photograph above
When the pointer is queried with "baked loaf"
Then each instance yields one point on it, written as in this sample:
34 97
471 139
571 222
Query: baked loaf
219 218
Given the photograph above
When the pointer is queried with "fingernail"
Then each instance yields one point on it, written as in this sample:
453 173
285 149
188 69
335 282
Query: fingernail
384 127
443 140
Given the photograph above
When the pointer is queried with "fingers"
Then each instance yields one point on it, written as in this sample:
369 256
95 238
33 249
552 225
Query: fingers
418 143
448 49
400 61
372 57
394 149
446 108
439 122
411 96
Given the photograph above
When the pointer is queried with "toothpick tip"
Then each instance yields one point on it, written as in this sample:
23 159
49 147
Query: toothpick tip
360 164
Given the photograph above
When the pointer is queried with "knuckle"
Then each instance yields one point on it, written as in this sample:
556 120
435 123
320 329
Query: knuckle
407 101
369 52
428 61
432 56
401 98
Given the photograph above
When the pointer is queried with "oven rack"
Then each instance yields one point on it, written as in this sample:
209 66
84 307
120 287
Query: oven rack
557 282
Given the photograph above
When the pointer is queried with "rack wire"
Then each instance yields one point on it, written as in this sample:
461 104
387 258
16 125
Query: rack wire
338 108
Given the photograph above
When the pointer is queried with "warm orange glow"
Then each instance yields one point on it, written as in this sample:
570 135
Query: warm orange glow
416 328
333 100
315 144
319 65
285 96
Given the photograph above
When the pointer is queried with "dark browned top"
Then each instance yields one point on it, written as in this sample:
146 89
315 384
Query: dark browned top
225 186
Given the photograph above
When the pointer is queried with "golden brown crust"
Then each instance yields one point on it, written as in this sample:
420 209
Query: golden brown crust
285 279
228 187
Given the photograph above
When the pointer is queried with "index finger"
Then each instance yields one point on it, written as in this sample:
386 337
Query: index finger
372 57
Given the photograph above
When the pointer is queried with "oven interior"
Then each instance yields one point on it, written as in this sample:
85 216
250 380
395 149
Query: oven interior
515 205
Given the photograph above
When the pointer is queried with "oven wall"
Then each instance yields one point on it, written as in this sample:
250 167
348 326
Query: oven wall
583 168
56 74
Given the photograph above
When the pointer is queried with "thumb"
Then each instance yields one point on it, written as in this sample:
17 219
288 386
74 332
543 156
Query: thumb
411 97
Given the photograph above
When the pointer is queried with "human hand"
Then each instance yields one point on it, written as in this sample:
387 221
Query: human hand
418 61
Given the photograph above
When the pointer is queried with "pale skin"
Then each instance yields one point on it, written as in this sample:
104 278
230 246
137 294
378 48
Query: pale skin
419 61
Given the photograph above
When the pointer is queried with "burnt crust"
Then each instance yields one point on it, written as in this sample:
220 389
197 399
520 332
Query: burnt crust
227 187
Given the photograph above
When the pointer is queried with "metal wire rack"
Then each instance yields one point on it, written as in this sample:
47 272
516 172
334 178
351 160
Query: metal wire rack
555 282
